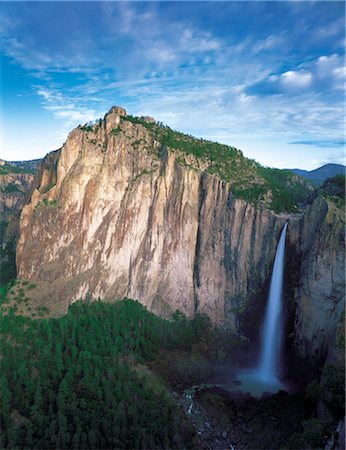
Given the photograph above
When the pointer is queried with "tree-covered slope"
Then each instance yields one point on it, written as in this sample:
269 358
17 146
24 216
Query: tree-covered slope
334 189
29 166
72 382
279 190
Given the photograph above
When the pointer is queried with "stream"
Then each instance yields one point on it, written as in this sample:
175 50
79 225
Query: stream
209 434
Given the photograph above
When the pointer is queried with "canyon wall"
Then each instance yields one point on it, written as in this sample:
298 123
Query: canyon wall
319 289
116 214
14 191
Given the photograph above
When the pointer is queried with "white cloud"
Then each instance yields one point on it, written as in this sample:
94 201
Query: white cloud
41 62
127 18
161 54
269 43
323 75
296 79
195 41
73 116
340 72
331 29
155 40
326 64
49 95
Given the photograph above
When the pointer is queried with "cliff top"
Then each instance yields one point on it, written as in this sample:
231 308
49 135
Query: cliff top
120 111
279 190
117 110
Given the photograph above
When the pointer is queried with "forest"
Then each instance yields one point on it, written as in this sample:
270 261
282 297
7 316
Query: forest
71 382
112 375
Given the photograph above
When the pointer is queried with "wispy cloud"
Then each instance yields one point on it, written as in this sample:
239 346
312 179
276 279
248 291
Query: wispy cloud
65 108
218 72
321 143
322 75
196 41
42 64
269 43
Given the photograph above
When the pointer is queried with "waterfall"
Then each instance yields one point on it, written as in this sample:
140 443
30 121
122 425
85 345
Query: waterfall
265 378
272 329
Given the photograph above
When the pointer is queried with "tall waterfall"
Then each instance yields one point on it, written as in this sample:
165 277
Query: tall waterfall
272 330
265 378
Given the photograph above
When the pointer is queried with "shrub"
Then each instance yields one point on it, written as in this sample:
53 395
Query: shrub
332 388
47 188
116 130
47 202
139 121
313 391
312 436
86 128
10 188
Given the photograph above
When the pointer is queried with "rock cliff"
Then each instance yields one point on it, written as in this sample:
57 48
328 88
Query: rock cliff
118 213
319 290
15 184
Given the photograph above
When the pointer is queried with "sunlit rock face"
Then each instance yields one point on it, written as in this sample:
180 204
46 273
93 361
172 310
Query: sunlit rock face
124 218
117 214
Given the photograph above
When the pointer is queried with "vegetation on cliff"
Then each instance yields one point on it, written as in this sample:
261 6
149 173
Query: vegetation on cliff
334 189
74 382
10 188
279 190
14 168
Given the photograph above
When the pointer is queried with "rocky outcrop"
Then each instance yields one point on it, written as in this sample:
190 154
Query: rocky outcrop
47 172
125 217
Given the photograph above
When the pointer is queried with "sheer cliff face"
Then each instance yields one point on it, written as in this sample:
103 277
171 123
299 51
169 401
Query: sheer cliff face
319 240
125 219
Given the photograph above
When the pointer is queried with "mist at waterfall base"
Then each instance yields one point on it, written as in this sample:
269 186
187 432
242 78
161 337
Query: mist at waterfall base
265 377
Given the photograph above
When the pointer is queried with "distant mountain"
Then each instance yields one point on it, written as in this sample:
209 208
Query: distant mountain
318 176
27 166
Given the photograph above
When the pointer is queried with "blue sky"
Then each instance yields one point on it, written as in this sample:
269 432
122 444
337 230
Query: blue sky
267 77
